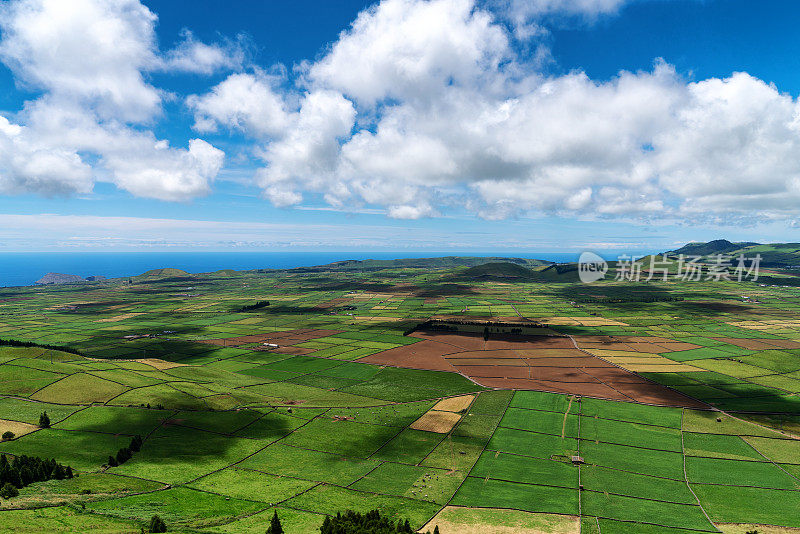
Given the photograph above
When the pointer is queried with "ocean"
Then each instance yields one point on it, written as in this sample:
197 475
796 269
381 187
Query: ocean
24 268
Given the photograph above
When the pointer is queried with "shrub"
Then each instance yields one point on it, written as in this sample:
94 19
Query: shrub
8 491
7 435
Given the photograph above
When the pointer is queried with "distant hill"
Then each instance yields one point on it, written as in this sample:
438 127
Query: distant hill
773 255
561 272
718 246
446 262
512 272
166 272
58 278
227 272
496 271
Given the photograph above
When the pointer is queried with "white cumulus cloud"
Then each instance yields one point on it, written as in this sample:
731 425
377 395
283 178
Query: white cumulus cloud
87 59
247 102
417 108
447 114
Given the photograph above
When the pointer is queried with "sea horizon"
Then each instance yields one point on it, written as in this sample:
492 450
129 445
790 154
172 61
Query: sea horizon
24 268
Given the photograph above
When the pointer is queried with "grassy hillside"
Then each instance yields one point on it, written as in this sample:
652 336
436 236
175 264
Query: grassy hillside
446 262
496 271
773 255
165 272
319 403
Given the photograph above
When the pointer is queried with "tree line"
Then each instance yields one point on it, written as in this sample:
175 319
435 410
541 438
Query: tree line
126 453
24 470
352 522
256 306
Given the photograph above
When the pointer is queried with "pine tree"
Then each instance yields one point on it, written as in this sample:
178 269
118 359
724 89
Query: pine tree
112 462
44 420
157 524
123 455
436 529
275 525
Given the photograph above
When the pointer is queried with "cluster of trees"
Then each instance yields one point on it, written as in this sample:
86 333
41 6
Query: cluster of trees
350 523
126 453
256 306
370 523
158 406
24 470
44 420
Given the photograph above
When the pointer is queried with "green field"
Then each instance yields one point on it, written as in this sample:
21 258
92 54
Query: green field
234 429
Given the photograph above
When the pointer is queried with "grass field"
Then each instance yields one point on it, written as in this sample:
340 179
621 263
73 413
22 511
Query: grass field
244 413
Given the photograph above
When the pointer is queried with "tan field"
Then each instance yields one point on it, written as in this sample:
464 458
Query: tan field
494 521
19 429
741 528
159 364
454 404
434 421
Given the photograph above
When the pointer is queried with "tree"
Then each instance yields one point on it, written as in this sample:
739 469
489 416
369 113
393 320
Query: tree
136 443
44 420
436 529
112 462
7 435
8 491
123 455
275 525
157 524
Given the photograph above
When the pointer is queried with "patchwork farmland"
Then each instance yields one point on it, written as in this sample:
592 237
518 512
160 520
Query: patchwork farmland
475 406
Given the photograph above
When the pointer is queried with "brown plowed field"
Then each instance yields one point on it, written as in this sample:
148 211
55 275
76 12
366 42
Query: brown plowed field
543 363
760 344
283 338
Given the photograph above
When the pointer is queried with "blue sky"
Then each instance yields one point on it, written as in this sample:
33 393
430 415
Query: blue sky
429 125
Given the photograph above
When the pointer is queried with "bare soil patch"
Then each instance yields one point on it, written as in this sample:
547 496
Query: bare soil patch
544 363
760 344
283 338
